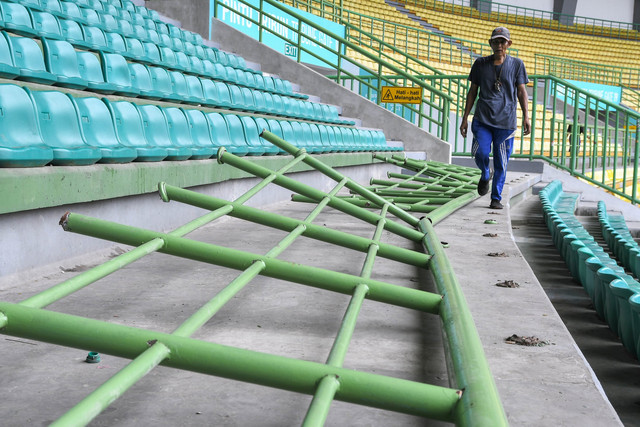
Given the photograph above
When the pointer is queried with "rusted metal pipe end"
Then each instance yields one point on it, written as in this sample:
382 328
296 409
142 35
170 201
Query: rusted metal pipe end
220 153
263 131
63 220
162 191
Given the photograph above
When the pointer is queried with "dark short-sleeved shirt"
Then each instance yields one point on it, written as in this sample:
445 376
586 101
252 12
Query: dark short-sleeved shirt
498 108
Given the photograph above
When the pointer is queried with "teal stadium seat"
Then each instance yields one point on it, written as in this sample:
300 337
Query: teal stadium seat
141 81
21 144
91 17
8 69
70 10
72 32
312 139
61 60
221 135
194 89
17 19
252 136
156 131
52 6
28 58
94 38
224 95
97 127
116 72
60 129
90 70
200 130
46 25
117 44
237 135
162 83
181 134
288 133
128 125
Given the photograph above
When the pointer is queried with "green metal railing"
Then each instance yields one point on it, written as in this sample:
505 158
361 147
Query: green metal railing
472 400
572 69
518 15
414 42
432 112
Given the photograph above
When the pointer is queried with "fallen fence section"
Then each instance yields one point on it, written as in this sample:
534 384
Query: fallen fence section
429 188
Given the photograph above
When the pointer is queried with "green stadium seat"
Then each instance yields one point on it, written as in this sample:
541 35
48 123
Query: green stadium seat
237 135
128 125
156 130
97 127
222 137
21 144
28 58
61 60
60 129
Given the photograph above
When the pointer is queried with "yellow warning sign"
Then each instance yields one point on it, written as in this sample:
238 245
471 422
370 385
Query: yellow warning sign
402 95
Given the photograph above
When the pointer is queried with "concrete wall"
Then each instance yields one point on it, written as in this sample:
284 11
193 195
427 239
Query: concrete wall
620 10
32 243
193 15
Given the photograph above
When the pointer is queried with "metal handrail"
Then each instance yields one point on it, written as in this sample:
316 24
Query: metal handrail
441 104
574 69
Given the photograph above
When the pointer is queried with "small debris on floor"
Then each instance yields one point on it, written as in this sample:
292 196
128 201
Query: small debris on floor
515 228
493 213
508 284
491 221
526 341
490 235
498 254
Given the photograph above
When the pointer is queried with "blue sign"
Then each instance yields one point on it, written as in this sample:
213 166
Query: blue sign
278 36
612 94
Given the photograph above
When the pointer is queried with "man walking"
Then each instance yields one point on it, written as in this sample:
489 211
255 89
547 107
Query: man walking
501 81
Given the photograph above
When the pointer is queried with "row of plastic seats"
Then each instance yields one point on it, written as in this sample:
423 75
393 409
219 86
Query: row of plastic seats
619 239
614 293
110 73
51 127
135 43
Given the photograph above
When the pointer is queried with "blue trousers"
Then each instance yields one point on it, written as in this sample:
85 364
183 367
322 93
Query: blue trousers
484 137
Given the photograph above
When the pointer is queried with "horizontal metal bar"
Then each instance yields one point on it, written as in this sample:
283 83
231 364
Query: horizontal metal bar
317 195
337 176
281 222
240 260
244 365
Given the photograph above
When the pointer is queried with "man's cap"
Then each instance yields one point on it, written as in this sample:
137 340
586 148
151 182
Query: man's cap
501 32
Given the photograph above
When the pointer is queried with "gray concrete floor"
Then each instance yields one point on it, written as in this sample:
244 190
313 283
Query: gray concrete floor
538 385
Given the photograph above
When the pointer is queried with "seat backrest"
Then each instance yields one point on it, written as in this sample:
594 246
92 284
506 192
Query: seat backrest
179 130
160 80
140 77
116 70
199 127
71 31
18 119
219 130
61 58
155 126
127 123
97 124
94 37
58 119
46 24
